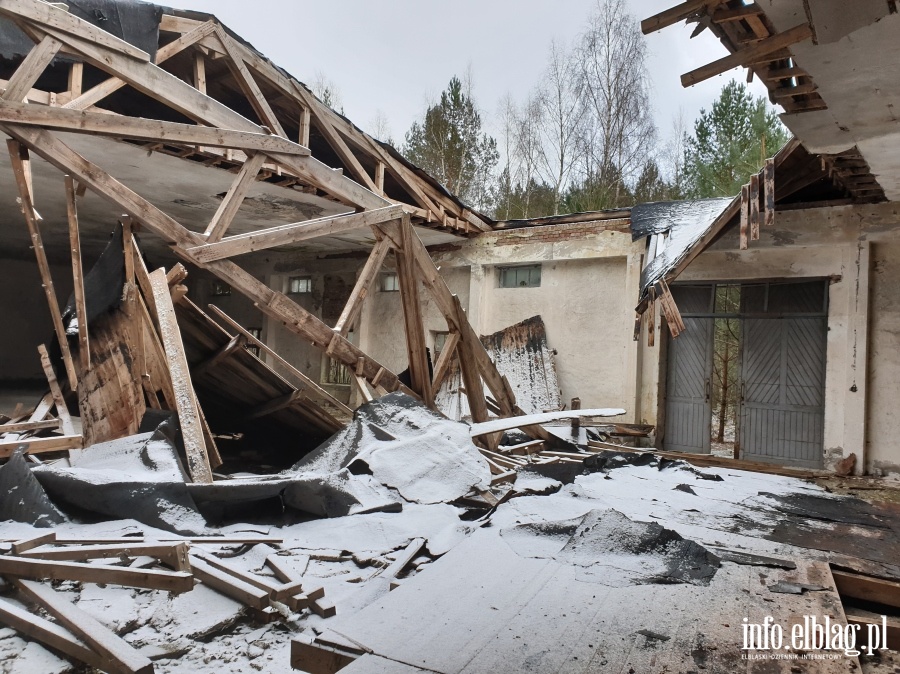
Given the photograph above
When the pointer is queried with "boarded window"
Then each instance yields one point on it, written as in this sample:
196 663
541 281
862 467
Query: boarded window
521 277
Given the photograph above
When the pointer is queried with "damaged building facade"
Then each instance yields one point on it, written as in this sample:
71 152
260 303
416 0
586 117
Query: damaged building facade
355 425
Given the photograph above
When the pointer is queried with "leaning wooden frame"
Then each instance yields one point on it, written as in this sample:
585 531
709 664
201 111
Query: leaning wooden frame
32 126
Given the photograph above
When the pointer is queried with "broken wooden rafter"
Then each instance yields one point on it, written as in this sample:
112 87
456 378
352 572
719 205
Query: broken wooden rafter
748 55
84 348
676 14
367 277
231 204
670 309
148 130
283 235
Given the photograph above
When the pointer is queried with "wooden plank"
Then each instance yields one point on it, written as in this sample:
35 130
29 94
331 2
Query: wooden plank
200 72
303 380
31 68
48 16
364 281
84 349
24 426
58 443
230 205
49 634
363 388
750 54
188 413
39 569
283 235
745 218
248 85
676 14
229 585
34 542
276 405
754 207
174 555
138 128
725 15
444 360
469 368
113 84
414 324
116 651
769 193
304 126
19 162
62 411
865 588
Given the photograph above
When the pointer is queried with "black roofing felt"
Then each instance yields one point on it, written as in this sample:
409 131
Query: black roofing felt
134 21
685 222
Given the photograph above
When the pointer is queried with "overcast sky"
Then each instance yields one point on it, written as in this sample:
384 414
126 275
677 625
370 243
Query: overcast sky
395 56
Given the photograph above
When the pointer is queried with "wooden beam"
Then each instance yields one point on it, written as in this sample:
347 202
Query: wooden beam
360 291
39 569
186 403
84 348
19 159
446 358
199 71
866 588
235 344
31 68
40 445
301 378
754 207
174 555
149 130
676 14
276 405
229 585
725 15
469 367
26 426
61 410
283 235
46 15
49 634
230 205
379 177
420 377
248 85
335 141
750 54
116 651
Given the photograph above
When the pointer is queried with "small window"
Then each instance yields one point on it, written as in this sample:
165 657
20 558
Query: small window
521 277
220 289
298 285
252 348
390 283
440 340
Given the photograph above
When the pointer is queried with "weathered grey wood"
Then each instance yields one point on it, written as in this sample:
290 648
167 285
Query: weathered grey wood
24 426
84 347
104 641
137 128
293 233
186 403
360 291
31 68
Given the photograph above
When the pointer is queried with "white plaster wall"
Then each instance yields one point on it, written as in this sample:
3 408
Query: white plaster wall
883 421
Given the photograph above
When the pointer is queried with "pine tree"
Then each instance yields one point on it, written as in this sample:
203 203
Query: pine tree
730 143
450 145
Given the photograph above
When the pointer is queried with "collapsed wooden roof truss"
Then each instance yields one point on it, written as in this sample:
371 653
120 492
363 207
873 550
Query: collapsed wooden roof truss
33 120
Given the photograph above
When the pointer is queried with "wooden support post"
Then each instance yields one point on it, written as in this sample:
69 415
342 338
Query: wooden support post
31 68
234 198
199 71
443 363
361 290
420 377
118 653
128 246
379 177
754 207
304 126
769 192
76 79
61 410
84 347
19 159
186 403
745 217
469 367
